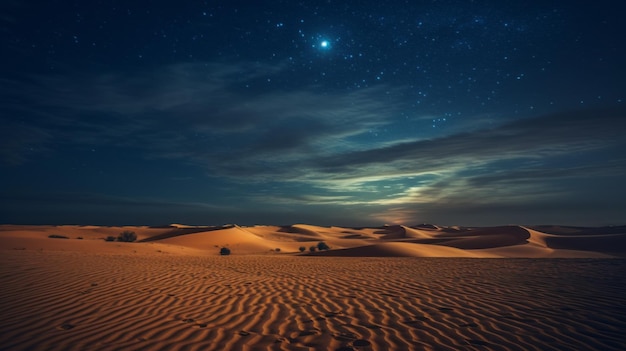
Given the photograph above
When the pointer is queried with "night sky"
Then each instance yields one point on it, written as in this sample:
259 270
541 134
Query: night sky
320 112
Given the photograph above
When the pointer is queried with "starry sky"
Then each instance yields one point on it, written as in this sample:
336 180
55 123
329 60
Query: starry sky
321 112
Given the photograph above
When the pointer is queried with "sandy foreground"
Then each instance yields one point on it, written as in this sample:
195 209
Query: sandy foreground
388 288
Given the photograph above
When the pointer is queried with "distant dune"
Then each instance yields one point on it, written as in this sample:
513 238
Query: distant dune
386 241
387 288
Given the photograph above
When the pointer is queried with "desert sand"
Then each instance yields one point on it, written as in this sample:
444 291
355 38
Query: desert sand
388 288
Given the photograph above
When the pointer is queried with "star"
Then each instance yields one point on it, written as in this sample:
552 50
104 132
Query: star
298 87
323 44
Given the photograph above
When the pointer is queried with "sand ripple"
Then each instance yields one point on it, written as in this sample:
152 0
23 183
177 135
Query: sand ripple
78 301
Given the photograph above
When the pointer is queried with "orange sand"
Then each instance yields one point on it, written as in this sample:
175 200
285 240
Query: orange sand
172 291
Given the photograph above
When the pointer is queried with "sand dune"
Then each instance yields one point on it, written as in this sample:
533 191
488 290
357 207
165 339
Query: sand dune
386 241
401 249
375 289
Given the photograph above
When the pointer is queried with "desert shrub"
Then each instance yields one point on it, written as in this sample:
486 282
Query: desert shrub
302 248
312 248
322 246
80 238
127 236
277 249
109 238
57 236
224 251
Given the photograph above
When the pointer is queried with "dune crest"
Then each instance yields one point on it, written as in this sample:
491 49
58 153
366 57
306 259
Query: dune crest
385 241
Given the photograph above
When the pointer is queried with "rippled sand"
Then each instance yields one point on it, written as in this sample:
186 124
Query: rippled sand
54 300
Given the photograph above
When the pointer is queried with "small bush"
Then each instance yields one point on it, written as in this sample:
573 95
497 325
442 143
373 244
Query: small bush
277 249
109 238
312 248
322 246
302 248
127 236
57 236
80 238
224 251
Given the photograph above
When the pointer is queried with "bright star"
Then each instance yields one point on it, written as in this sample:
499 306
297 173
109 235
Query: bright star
324 43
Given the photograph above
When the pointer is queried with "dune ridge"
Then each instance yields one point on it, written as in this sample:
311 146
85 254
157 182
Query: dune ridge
387 241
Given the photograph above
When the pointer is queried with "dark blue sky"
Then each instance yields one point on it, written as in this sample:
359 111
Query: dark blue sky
325 112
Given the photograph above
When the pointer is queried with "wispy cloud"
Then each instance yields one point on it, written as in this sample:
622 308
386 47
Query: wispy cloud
202 113
528 138
517 164
316 142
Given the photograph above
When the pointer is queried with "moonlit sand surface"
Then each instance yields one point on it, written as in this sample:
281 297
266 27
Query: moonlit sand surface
386 288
